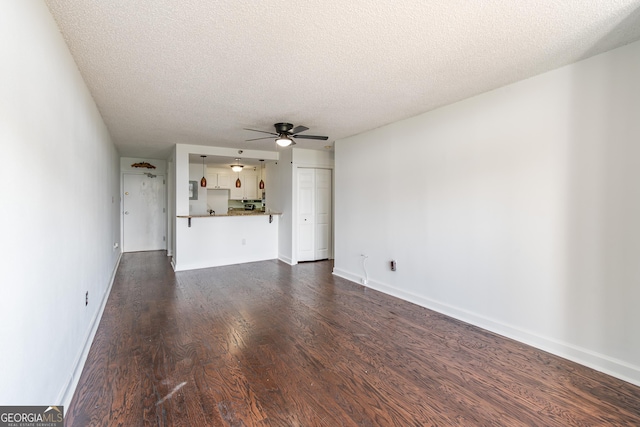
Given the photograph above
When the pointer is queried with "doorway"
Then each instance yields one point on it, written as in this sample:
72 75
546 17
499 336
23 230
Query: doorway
143 213
314 214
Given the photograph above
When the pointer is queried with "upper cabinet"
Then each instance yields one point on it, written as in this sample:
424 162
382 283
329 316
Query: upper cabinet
218 180
249 186
223 179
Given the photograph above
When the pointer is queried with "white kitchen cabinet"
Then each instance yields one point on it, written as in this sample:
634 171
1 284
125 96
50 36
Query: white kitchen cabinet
224 180
249 188
218 180
236 193
250 185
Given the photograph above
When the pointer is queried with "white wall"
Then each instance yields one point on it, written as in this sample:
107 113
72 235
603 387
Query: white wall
59 219
516 210
171 203
312 158
279 192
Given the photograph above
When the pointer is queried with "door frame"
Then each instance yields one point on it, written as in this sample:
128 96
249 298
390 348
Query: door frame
160 174
294 209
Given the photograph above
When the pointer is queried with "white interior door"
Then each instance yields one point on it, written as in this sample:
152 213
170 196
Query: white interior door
143 219
314 214
322 221
306 214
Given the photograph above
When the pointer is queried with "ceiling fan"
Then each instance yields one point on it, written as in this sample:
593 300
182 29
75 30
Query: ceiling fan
285 132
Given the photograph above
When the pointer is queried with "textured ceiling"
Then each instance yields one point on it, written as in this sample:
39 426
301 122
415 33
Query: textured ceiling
199 71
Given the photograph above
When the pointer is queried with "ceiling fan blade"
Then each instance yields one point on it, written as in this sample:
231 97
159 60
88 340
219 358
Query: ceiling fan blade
323 138
299 129
256 130
256 139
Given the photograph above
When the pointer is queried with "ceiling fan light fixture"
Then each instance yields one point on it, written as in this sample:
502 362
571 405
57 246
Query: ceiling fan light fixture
283 140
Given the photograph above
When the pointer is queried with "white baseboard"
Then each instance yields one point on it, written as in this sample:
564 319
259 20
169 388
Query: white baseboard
600 362
285 259
70 388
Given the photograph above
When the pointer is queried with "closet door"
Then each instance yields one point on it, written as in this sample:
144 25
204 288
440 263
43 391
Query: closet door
314 214
306 214
322 235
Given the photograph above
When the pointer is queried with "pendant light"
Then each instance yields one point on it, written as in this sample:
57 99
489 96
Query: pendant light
237 168
261 185
203 181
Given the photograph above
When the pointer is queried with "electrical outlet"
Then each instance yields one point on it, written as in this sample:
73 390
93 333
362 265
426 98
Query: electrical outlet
86 299
393 265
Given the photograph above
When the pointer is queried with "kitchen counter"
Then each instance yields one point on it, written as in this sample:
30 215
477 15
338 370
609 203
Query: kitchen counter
231 213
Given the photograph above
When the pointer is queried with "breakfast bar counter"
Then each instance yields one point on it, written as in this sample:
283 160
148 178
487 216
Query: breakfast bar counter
232 238
235 213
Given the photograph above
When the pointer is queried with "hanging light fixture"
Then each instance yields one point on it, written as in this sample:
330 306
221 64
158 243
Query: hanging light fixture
203 181
283 140
237 167
261 185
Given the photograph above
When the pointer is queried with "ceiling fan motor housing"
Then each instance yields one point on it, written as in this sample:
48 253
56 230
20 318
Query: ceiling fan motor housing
283 127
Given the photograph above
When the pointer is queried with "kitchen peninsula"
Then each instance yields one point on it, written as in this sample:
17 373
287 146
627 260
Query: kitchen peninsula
232 238
231 213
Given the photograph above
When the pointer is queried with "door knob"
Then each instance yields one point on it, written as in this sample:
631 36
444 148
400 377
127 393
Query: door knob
126 212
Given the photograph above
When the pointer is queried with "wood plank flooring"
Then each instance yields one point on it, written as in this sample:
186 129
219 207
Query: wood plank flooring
267 344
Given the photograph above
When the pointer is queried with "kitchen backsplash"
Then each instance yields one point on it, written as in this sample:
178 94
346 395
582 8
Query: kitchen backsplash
239 204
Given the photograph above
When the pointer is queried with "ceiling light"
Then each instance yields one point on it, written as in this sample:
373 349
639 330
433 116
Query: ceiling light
237 167
283 140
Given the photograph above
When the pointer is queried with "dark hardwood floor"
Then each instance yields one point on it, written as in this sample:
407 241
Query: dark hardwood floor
273 345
